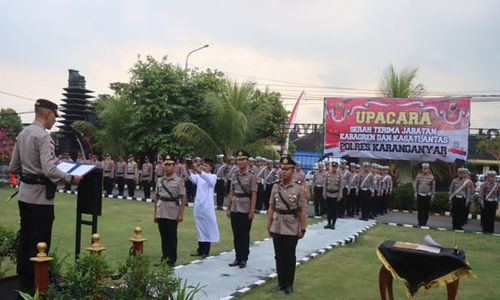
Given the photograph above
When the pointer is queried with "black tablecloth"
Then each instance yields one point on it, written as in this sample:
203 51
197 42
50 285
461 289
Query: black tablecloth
419 268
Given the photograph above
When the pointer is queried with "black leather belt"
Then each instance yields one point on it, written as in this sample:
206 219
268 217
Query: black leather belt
168 199
286 211
332 191
241 195
34 179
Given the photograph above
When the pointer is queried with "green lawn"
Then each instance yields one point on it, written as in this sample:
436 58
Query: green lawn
351 272
116 226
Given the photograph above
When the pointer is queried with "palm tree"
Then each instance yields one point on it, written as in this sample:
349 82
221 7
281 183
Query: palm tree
394 85
400 85
234 124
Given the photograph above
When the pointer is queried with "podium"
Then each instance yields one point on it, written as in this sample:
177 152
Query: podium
89 201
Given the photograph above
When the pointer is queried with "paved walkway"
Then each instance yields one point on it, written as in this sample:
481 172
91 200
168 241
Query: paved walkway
224 282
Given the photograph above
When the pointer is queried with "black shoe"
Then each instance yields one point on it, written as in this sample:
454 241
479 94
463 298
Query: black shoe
243 264
195 254
204 255
332 226
327 226
234 263
288 290
277 289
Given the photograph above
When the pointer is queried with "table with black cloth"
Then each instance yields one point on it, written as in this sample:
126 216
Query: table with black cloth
417 268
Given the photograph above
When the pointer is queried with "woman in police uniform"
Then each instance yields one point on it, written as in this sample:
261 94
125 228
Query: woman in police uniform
286 223
168 212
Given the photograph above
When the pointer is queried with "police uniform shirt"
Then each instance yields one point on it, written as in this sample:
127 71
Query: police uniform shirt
366 181
332 186
169 209
344 175
160 170
179 170
269 177
460 189
120 168
109 168
425 185
147 171
386 184
354 181
231 171
98 164
319 178
220 171
293 194
377 182
486 193
248 185
130 170
299 177
34 154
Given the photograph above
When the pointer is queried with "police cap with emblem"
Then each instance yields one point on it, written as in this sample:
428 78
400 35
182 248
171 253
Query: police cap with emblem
287 161
242 154
491 173
169 159
47 104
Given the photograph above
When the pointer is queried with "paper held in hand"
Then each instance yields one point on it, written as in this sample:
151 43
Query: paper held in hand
75 168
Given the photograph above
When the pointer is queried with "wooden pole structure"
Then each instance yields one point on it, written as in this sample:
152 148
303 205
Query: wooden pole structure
137 241
96 246
41 266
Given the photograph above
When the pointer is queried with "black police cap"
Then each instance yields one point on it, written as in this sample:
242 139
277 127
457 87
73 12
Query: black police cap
47 104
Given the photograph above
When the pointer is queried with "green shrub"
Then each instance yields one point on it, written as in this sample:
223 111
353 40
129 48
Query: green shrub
440 204
7 249
402 197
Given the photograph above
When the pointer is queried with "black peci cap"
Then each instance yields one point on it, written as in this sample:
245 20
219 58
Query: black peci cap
47 104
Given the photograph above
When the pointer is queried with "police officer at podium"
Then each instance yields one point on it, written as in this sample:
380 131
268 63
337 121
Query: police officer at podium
425 187
286 223
33 158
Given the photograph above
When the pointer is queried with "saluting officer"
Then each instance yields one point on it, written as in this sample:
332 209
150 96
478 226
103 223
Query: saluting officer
241 209
109 174
131 175
33 158
425 187
121 165
489 195
366 191
459 196
344 176
169 204
332 192
286 223
147 177
318 181
220 185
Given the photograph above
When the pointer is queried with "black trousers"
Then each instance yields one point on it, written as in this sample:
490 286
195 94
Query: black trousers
488 216
108 185
203 248
120 181
319 201
130 187
284 254
373 204
228 186
261 193
354 203
190 191
36 226
220 190
364 201
267 197
241 226
466 213
146 186
168 234
457 211
423 207
342 205
331 207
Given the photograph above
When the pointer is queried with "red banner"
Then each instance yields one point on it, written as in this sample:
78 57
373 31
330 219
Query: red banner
421 129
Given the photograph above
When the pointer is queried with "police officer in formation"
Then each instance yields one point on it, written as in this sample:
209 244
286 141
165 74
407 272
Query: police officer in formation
169 204
425 188
241 208
353 187
387 187
286 223
160 171
332 192
131 175
220 186
489 195
318 181
146 177
109 174
269 179
121 167
34 160
344 176
259 176
460 195
366 191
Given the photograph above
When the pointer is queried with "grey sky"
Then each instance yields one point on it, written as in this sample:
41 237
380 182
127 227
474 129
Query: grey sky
455 44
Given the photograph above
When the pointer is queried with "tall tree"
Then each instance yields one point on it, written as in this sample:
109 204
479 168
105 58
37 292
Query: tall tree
400 85
238 121
10 121
490 145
